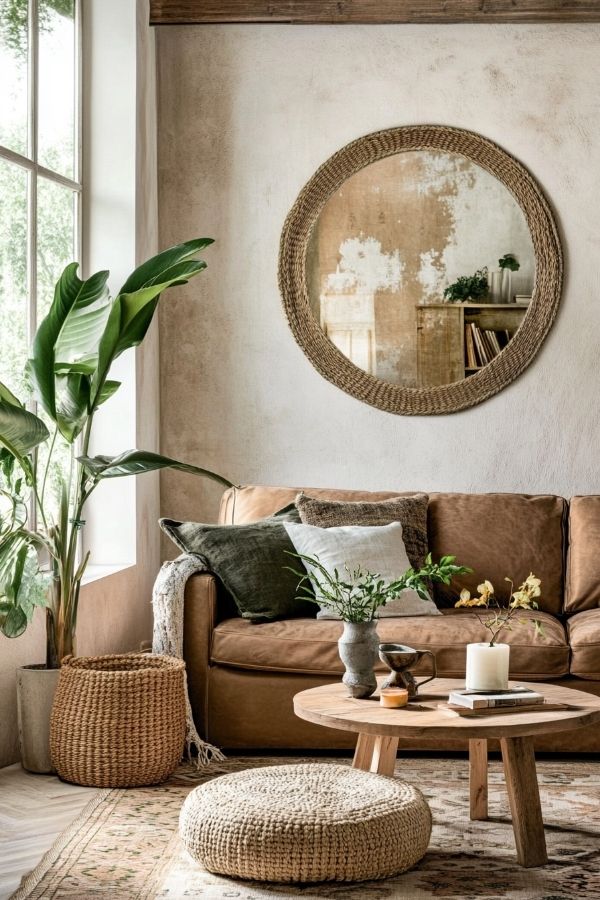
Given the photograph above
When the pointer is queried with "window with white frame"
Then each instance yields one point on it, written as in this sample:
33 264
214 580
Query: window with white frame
40 179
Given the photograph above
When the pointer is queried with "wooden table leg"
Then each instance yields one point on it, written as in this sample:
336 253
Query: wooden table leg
384 755
478 779
375 753
364 752
524 796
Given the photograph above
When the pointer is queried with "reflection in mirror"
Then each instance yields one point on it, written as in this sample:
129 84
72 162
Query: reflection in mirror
420 268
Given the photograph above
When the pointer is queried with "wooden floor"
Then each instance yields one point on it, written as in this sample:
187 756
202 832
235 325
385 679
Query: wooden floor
34 809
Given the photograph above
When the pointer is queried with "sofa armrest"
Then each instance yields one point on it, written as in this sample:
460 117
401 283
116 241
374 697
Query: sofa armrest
199 620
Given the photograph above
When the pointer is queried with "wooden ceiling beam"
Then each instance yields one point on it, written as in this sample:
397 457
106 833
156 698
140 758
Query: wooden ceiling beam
370 12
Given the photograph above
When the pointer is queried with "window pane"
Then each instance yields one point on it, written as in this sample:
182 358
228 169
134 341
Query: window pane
13 277
56 128
13 74
55 249
56 238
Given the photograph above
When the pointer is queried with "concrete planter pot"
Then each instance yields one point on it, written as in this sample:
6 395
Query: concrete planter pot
35 693
359 649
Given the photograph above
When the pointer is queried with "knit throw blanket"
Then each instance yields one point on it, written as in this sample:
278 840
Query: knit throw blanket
167 601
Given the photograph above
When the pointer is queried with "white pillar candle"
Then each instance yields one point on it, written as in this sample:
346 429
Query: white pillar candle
487 667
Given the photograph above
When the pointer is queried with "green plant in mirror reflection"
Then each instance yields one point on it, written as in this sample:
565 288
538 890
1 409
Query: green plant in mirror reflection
468 287
510 262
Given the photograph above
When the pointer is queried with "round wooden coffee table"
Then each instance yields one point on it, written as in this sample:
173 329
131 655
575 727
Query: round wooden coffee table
379 731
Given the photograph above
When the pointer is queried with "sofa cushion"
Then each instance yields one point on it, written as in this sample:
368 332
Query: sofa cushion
250 560
309 646
497 535
378 549
583 583
500 536
584 637
411 512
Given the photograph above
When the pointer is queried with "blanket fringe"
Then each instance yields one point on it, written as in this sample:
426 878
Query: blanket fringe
207 753
168 599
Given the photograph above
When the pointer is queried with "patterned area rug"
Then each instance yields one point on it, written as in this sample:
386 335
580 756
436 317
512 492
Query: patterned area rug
125 846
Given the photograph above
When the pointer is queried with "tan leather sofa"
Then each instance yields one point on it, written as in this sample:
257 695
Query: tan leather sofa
242 676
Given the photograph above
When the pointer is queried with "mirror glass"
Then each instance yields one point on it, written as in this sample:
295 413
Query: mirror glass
420 268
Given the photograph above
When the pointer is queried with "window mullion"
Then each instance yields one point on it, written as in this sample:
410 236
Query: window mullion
25 163
32 196
78 88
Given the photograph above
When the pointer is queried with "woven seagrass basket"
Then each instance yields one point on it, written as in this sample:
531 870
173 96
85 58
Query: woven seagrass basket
118 721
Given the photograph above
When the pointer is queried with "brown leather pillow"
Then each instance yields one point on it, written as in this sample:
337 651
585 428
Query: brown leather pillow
411 512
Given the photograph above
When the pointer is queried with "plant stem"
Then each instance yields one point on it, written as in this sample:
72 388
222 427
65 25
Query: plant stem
38 504
47 469
65 612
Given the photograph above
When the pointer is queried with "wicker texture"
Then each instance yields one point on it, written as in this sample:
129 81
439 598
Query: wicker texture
410 511
306 823
118 721
504 368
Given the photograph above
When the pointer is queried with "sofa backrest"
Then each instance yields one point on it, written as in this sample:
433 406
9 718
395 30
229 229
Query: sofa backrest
498 535
583 570
502 536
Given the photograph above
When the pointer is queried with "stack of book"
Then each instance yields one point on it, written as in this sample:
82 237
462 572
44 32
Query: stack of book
483 344
517 696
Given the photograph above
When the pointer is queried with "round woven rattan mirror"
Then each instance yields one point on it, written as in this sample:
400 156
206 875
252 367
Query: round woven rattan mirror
359 372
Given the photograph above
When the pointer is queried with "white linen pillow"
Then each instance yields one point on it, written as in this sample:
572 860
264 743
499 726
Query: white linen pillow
378 549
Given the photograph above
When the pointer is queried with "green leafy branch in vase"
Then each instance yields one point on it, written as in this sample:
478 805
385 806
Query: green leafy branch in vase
73 351
357 595
523 598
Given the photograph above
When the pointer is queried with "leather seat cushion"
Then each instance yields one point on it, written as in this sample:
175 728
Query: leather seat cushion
584 637
309 646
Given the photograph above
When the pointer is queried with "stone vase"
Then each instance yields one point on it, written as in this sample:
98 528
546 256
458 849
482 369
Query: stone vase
496 286
507 293
35 693
358 648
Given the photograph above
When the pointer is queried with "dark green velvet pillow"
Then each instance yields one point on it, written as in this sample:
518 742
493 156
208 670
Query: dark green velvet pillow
250 561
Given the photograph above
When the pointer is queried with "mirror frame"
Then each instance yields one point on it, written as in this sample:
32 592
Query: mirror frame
516 356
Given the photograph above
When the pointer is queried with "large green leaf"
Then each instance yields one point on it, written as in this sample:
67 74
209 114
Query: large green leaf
8 396
130 318
133 309
13 619
153 270
136 462
72 404
72 298
10 547
20 432
22 588
109 388
82 331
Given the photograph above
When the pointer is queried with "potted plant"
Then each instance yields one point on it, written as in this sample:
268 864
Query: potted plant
74 349
356 596
468 287
508 264
488 662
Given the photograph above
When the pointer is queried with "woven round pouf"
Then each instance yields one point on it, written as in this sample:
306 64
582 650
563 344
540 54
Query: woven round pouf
313 822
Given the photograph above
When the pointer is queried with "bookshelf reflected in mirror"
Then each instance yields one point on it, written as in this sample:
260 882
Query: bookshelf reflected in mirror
456 340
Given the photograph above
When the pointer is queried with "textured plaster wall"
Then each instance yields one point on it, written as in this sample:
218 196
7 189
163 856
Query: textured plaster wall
246 115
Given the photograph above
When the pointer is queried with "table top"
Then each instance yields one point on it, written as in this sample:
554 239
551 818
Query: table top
330 705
